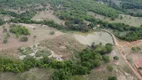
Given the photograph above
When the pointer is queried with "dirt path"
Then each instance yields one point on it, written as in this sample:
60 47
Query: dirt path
124 56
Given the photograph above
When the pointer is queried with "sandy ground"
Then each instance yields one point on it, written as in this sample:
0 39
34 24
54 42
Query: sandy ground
40 31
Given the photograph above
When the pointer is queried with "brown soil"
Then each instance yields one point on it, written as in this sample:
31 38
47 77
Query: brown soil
138 61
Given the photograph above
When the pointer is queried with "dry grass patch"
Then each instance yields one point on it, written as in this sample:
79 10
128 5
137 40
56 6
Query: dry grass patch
63 45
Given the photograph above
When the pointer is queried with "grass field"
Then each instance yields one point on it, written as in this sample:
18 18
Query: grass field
32 74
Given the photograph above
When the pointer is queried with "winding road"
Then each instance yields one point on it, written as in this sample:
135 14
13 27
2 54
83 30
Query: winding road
117 45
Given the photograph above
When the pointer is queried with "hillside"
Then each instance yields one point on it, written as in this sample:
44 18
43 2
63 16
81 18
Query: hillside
70 40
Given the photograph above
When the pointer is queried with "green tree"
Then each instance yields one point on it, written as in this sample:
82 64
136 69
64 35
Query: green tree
110 68
106 59
116 58
112 78
61 75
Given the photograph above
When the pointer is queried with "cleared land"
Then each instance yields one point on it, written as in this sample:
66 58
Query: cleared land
40 31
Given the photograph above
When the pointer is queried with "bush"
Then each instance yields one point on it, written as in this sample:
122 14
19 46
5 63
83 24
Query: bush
112 78
52 32
5 40
61 75
106 59
136 49
19 30
24 39
116 58
1 22
110 68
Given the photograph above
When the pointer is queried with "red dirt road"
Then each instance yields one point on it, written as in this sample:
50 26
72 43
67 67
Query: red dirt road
124 56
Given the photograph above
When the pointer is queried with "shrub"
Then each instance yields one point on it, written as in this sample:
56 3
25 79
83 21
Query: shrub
116 58
2 22
52 32
24 39
106 59
110 68
5 40
112 78
19 30
61 75
136 49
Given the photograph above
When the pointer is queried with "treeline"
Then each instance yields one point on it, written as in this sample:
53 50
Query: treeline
23 4
125 32
125 5
27 14
131 4
88 59
44 22
76 25
78 8
138 14
121 30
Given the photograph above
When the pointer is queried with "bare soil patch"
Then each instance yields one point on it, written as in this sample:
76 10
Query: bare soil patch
138 61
